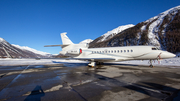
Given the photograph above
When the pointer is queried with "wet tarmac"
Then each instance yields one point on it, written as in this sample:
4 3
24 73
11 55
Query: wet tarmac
77 82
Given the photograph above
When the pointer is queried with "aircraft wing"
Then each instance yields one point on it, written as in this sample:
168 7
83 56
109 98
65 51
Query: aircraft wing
104 59
96 59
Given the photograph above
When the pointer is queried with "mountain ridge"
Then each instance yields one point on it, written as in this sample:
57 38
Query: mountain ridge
17 51
161 31
115 31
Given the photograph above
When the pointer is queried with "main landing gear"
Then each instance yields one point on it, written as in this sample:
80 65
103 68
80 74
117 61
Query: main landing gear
93 64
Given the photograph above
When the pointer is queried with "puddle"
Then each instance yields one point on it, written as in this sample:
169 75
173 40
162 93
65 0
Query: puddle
39 66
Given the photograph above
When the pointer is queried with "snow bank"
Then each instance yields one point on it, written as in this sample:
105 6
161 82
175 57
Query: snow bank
14 62
10 62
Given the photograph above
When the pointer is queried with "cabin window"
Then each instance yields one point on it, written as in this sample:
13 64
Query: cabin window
124 50
131 50
121 51
127 50
102 51
114 51
111 51
118 51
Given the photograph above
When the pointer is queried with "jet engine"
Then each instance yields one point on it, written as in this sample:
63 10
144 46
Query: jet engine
74 52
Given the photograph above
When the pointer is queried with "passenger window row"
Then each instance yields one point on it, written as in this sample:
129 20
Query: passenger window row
113 51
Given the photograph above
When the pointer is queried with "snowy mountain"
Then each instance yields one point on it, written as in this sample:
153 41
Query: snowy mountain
31 49
2 40
19 51
162 31
109 35
86 41
113 32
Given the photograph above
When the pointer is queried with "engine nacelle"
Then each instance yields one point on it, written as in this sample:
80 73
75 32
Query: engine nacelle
74 52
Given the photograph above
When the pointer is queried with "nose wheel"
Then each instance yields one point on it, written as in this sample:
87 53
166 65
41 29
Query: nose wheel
151 66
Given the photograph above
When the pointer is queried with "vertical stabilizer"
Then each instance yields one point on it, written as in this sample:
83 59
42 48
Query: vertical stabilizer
65 39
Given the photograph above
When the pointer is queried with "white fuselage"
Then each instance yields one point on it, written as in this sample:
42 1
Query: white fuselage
124 53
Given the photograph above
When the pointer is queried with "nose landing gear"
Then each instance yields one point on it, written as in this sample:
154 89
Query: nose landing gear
151 66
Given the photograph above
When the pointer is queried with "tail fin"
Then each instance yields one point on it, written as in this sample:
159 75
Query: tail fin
68 46
65 39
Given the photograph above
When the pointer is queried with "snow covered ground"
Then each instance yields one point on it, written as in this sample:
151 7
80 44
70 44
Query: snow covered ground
165 62
173 62
12 62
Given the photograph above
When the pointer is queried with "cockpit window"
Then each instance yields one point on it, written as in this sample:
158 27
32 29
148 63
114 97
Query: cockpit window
154 48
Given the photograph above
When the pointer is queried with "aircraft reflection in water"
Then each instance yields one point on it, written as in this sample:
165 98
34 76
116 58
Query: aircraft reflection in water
110 54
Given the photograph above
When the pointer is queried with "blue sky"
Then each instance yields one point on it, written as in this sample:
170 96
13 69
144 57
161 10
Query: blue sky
35 23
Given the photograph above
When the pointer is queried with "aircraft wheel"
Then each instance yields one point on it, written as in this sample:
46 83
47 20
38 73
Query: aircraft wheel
151 66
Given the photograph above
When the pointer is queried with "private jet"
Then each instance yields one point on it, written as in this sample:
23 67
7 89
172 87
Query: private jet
97 56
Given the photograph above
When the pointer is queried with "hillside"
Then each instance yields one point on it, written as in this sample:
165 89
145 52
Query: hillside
162 31
17 51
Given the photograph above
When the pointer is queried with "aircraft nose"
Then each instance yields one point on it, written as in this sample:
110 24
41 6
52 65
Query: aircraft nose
167 55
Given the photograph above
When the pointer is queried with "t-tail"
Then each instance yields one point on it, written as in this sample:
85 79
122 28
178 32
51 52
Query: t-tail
65 39
68 47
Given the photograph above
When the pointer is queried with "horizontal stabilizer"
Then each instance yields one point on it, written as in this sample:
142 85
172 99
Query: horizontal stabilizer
55 45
